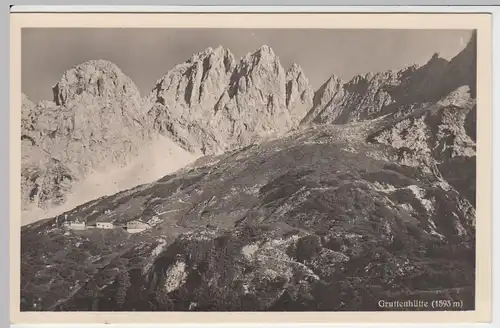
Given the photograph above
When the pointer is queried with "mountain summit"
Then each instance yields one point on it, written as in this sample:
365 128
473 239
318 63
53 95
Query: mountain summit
211 103
181 105
95 124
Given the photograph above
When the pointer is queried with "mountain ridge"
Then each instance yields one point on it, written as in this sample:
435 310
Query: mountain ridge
367 96
97 107
209 104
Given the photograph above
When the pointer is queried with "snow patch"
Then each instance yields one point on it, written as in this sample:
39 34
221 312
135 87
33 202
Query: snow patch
159 248
420 195
154 253
176 276
443 185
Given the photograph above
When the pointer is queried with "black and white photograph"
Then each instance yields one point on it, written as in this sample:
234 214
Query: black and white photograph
248 169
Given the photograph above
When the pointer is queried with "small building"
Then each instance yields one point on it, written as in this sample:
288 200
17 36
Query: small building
105 222
76 225
135 226
104 225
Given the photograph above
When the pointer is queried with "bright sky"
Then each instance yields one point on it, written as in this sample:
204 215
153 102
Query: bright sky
145 55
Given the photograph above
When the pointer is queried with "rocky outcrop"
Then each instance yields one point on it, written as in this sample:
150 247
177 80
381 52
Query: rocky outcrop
181 105
299 94
440 136
99 109
397 93
254 105
316 220
326 101
211 103
44 179
94 123
95 118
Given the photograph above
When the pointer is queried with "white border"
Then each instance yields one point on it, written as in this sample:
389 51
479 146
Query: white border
256 9
496 96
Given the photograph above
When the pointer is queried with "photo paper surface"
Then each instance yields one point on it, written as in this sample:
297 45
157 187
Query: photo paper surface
246 167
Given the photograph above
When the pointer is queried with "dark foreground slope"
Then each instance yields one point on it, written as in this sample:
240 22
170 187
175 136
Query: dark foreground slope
326 218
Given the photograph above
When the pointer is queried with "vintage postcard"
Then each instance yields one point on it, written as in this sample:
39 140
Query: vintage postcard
225 167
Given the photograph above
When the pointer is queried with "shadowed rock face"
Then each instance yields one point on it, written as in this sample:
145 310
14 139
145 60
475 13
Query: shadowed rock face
269 227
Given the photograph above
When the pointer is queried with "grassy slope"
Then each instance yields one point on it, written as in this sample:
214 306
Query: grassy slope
330 223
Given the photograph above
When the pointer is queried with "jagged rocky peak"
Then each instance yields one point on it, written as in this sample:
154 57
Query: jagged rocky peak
197 82
436 57
99 102
260 69
460 97
94 124
181 105
97 82
331 86
217 52
265 55
370 81
326 100
436 61
211 103
299 93
254 105
371 95
462 67
263 52
433 69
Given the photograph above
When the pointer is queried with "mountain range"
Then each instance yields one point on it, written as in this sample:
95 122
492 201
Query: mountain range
262 193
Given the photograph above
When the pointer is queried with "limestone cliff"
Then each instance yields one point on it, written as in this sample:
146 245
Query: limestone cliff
211 103
398 93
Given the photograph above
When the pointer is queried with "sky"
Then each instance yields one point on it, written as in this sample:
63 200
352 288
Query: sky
145 55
